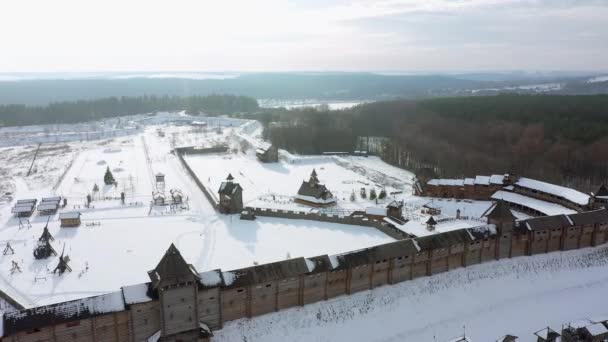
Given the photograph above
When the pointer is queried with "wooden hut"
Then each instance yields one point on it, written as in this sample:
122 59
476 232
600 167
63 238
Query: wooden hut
158 198
24 208
49 205
70 219
313 193
267 154
231 196
395 209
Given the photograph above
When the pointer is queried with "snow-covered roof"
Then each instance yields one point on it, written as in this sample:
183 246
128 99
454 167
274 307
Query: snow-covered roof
556 190
28 319
482 180
446 182
379 211
211 278
48 206
469 181
22 209
51 199
69 215
497 179
137 293
546 208
597 329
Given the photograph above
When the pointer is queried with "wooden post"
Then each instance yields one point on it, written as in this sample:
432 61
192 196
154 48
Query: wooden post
116 332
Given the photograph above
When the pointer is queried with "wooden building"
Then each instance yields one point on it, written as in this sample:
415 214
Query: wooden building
158 197
313 193
49 205
395 210
267 154
24 208
70 219
231 196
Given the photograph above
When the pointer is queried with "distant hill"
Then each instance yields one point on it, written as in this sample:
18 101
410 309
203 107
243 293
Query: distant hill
290 86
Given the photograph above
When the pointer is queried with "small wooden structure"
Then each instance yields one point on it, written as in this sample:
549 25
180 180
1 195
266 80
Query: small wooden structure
267 154
314 194
547 335
70 219
24 208
394 209
160 182
231 196
507 338
431 209
431 223
8 249
247 214
63 266
176 196
44 248
158 198
49 205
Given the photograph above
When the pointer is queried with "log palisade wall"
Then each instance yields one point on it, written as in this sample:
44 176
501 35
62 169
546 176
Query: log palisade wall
268 288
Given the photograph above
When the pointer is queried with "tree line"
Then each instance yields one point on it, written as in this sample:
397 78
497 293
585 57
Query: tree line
88 110
561 139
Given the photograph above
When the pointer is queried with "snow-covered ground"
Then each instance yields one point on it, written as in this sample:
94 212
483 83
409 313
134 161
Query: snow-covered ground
514 296
117 244
126 241
273 185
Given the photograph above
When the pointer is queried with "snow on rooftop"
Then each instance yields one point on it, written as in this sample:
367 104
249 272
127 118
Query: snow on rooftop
379 211
229 278
482 180
310 264
597 329
497 179
556 190
137 293
546 208
210 278
446 182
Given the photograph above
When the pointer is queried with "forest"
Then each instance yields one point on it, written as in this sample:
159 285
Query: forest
87 110
555 138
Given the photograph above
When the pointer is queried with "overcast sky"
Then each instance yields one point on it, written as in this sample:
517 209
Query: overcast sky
320 35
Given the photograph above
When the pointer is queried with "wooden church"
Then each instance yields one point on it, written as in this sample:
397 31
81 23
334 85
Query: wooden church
231 196
314 193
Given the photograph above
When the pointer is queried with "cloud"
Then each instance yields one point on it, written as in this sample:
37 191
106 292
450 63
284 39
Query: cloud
303 35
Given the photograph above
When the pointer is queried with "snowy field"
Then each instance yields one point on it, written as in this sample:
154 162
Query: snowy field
126 241
273 185
117 244
514 296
